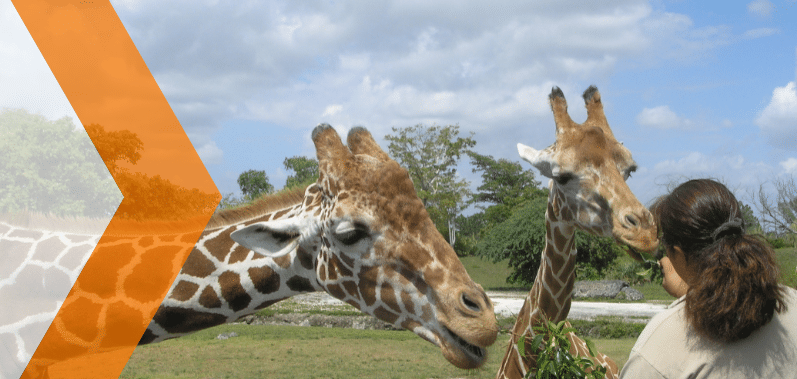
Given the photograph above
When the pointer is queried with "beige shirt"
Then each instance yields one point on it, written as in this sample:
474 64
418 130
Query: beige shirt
668 348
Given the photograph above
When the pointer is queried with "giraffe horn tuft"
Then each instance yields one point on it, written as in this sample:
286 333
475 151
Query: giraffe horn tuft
360 141
559 108
329 148
556 92
590 93
595 115
319 129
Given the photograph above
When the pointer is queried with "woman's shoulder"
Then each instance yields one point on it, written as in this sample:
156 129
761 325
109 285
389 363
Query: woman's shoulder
790 299
663 324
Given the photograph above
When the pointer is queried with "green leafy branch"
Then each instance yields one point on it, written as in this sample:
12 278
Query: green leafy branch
553 354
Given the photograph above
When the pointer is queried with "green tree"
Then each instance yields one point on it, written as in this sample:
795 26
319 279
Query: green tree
503 182
521 239
51 167
779 214
505 186
115 146
750 220
431 154
159 199
253 183
305 169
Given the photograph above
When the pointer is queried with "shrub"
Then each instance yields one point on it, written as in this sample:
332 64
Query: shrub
521 239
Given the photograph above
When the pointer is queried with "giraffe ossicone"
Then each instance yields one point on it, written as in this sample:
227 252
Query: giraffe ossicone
588 169
359 233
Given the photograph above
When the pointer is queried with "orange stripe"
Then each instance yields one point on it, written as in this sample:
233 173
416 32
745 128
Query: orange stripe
107 83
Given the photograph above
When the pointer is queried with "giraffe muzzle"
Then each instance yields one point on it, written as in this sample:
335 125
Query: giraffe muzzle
468 327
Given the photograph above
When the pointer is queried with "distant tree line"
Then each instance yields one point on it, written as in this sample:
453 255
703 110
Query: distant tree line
507 226
49 167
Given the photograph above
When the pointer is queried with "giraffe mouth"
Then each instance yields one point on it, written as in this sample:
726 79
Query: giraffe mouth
470 355
631 251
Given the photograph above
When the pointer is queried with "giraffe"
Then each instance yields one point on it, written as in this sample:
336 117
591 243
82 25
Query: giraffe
108 306
588 168
41 260
359 233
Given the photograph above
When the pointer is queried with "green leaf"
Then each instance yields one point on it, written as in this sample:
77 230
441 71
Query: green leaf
521 345
537 341
590 347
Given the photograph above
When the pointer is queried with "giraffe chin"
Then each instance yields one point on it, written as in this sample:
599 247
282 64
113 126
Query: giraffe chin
455 349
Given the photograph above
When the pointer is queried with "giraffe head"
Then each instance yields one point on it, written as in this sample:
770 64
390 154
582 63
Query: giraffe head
372 245
589 169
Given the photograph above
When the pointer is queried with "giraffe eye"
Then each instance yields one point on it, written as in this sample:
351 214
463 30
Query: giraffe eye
349 234
563 179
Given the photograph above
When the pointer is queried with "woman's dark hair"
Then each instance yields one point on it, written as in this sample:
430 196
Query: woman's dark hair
736 290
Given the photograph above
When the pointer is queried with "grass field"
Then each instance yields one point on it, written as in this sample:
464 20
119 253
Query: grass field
312 352
315 352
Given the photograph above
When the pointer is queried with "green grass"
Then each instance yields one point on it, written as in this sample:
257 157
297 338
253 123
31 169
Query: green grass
309 352
787 259
298 352
491 276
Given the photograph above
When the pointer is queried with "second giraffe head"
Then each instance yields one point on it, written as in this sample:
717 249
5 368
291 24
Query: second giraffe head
589 169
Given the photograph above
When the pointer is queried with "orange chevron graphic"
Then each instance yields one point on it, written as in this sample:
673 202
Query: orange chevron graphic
130 271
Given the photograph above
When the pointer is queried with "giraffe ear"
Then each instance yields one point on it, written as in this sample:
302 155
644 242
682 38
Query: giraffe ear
270 238
541 159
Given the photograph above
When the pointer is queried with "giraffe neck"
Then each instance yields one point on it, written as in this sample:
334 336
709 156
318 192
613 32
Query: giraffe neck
222 281
551 294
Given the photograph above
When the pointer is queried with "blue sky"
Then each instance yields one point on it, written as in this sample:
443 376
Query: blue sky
693 89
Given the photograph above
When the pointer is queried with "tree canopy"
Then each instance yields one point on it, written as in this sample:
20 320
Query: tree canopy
431 154
521 238
253 183
505 185
305 171
52 167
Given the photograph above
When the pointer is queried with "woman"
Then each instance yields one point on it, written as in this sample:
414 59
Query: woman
733 319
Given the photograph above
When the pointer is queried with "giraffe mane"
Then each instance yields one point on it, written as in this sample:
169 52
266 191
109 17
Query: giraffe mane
263 205
122 227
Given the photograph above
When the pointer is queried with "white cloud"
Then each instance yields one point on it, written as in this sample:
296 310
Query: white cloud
761 8
739 174
759 33
210 153
778 121
662 117
674 37
332 110
446 62
790 166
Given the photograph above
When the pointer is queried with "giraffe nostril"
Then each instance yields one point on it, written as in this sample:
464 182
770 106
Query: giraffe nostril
632 220
470 304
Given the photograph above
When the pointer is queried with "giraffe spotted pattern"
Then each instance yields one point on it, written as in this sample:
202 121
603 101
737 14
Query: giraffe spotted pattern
359 233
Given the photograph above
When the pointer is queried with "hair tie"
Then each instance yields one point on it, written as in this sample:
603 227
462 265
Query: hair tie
732 227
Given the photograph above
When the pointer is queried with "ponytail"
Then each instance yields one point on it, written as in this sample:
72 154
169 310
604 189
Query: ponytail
738 290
